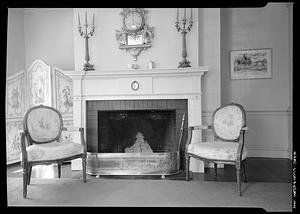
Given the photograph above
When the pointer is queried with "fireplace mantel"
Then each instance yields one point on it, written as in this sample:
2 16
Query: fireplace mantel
169 83
137 72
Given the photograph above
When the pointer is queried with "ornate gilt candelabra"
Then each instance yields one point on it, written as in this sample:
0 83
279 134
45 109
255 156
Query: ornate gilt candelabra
184 29
87 66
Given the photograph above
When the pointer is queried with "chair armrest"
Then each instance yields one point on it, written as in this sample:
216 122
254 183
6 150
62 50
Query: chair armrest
23 146
190 132
77 129
245 129
200 127
72 129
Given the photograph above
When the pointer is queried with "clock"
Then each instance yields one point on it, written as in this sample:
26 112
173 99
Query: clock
133 20
135 35
135 85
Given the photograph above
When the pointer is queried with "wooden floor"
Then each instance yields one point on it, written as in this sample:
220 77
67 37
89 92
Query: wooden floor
257 170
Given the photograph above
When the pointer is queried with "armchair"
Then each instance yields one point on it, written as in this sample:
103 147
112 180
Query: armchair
229 128
41 142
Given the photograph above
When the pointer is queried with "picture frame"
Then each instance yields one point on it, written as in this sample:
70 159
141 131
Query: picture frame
251 64
135 39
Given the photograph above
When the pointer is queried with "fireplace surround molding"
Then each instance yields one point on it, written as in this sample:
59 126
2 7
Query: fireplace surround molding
177 83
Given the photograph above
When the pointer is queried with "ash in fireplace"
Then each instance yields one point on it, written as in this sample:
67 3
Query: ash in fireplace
140 145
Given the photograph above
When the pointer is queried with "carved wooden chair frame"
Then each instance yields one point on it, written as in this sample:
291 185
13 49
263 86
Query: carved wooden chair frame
238 162
26 140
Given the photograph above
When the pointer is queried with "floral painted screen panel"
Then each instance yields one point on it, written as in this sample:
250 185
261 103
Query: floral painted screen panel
15 96
39 84
67 136
43 124
13 147
64 94
228 122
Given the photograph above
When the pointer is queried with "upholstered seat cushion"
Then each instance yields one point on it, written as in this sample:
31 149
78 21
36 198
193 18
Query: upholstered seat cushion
216 150
53 151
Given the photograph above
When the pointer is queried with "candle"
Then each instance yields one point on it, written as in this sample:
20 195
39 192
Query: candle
78 20
184 13
191 14
177 15
94 19
85 18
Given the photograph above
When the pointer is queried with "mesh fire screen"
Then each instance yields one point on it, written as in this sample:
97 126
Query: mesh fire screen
137 131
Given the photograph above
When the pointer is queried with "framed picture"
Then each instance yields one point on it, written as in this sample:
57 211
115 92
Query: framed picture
251 64
135 39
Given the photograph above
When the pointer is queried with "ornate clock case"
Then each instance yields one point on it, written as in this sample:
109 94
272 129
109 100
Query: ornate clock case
135 35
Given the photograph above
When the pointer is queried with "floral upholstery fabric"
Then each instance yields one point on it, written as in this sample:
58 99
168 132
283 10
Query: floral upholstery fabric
52 151
228 122
43 124
216 150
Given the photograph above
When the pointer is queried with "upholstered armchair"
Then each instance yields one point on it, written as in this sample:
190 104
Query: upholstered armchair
42 144
227 147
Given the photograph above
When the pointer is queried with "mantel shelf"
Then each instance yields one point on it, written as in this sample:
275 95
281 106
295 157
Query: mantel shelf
137 72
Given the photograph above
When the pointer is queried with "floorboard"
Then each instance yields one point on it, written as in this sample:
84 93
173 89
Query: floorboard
257 170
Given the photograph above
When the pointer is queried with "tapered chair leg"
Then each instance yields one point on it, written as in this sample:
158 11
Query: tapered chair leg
187 165
25 176
244 171
59 169
238 178
216 170
84 169
29 174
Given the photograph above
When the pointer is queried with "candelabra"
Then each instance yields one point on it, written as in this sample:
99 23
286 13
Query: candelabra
184 29
87 66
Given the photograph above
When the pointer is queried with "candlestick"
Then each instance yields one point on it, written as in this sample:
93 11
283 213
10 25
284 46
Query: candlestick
84 33
191 14
78 20
85 18
177 15
93 19
183 29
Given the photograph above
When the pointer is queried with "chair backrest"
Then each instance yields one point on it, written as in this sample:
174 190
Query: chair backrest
228 121
42 124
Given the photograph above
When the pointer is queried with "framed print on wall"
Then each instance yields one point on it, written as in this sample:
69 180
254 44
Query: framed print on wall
251 64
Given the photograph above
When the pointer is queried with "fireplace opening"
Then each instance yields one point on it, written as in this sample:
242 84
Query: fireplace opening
137 131
136 137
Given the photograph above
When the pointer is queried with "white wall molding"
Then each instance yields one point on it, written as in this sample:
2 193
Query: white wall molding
256 113
269 152
268 112
33 10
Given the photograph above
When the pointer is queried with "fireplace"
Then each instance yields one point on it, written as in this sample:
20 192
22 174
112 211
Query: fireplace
136 131
136 136
95 92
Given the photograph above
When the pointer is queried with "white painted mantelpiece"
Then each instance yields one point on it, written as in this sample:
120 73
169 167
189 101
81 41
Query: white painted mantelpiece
183 83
